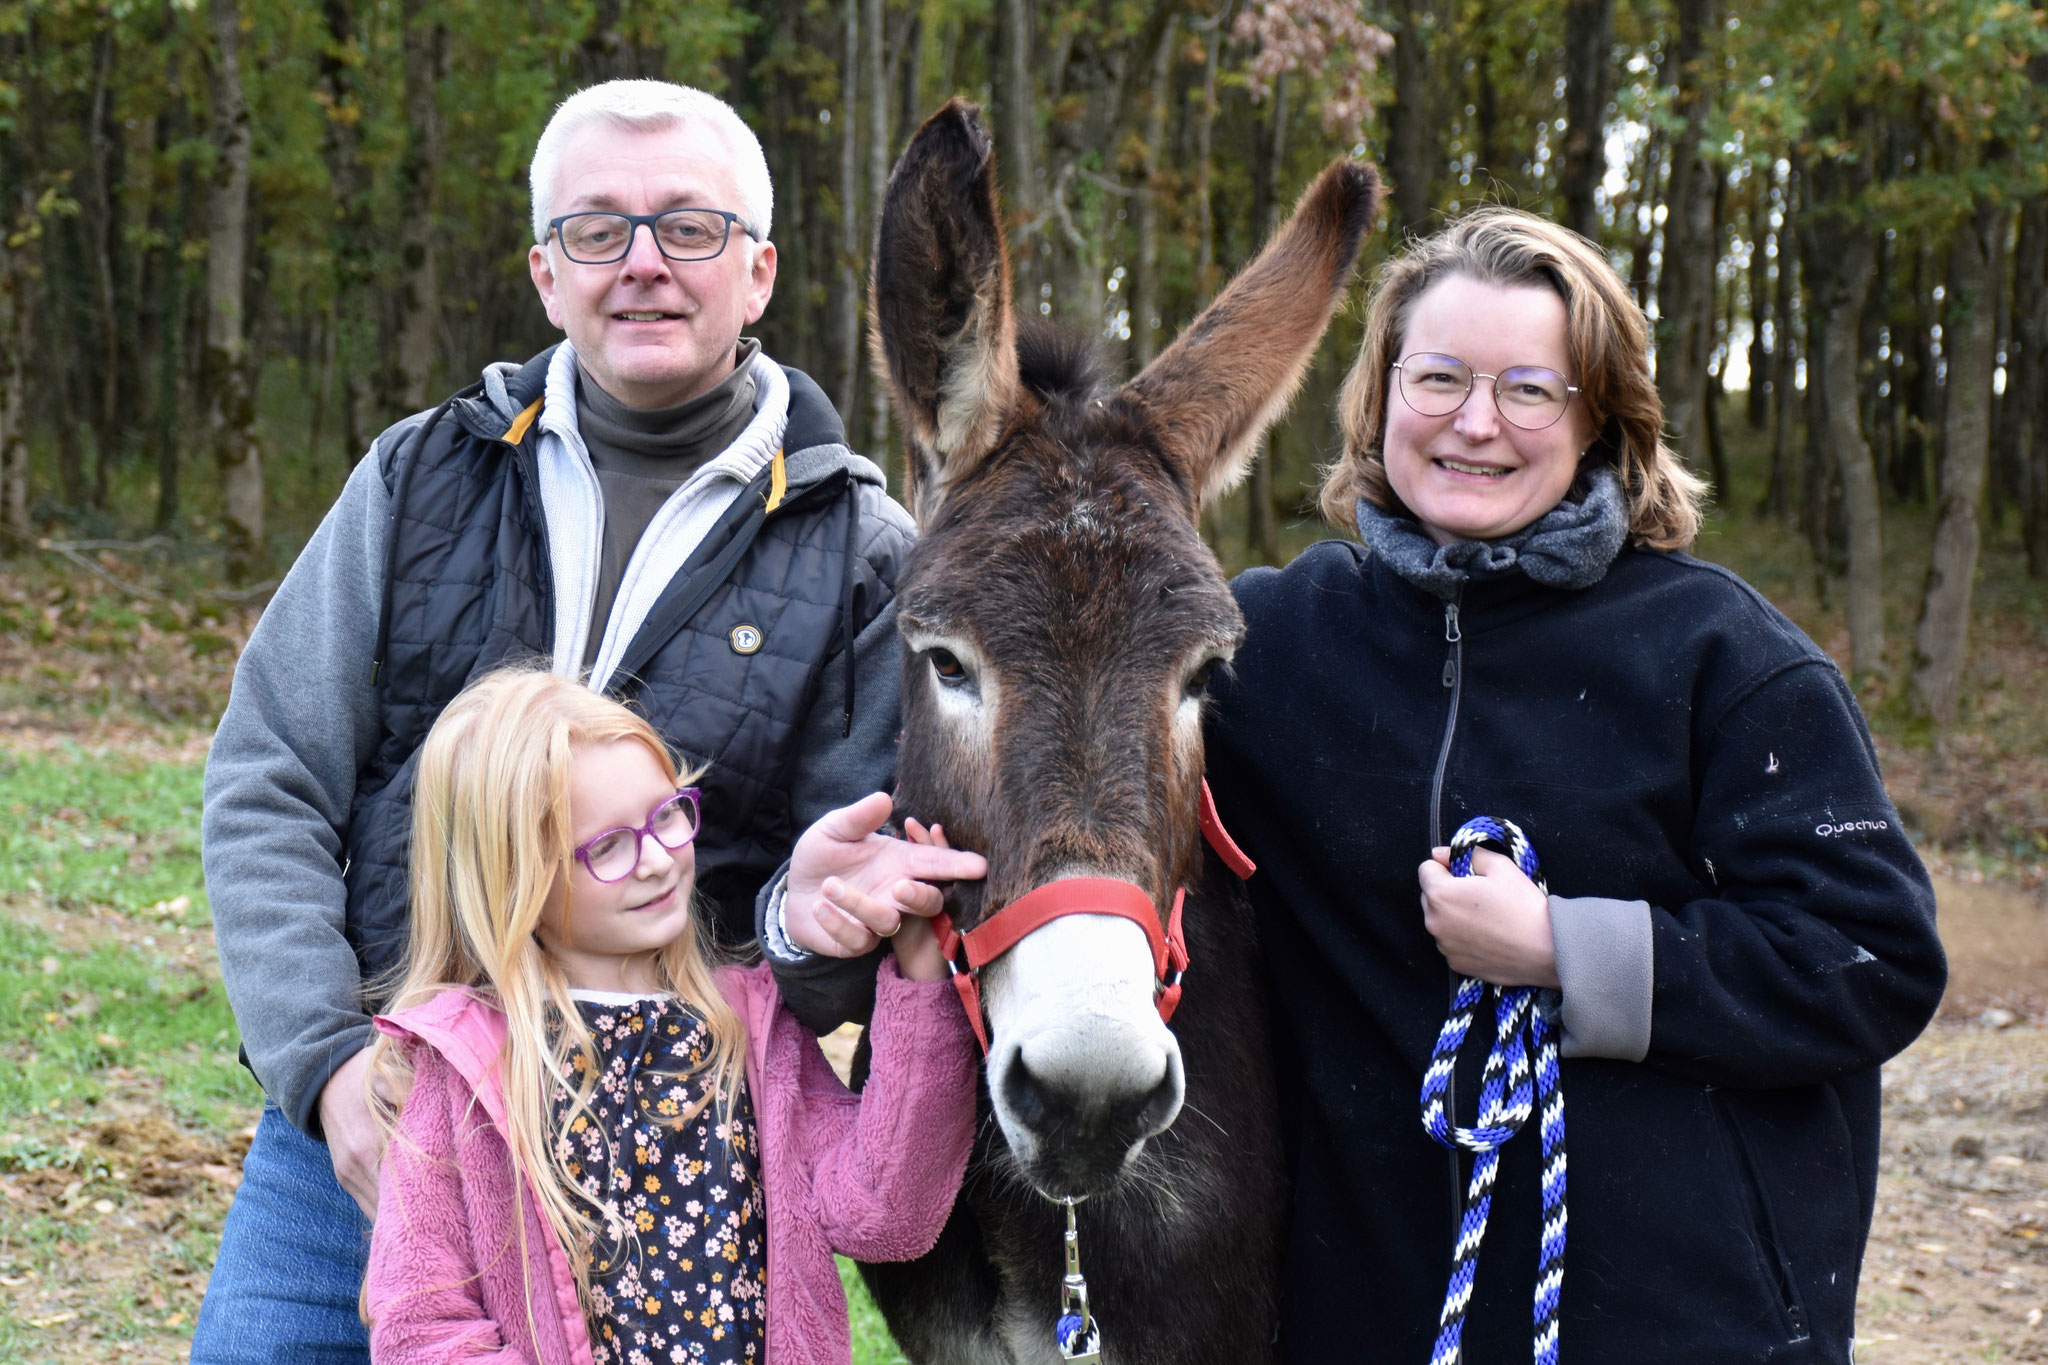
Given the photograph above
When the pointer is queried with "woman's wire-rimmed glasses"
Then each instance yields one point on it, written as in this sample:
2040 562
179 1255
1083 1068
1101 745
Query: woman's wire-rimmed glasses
612 855
1526 396
604 238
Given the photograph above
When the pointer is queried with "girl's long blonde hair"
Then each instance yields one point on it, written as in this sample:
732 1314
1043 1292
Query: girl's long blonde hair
491 852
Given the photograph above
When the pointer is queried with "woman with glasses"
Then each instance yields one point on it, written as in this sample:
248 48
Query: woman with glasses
1736 931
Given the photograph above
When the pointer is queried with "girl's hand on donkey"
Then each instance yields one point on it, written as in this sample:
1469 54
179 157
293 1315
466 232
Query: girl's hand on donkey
915 942
850 886
1494 924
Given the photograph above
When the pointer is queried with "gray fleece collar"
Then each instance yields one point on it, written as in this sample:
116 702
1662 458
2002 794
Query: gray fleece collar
1570 546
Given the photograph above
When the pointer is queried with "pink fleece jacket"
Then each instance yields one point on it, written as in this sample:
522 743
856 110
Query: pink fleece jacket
461 1269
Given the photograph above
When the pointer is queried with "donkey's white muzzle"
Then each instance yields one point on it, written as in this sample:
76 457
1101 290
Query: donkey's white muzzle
1081 1068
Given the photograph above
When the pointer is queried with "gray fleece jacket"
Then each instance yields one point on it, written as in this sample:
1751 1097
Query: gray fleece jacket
302 721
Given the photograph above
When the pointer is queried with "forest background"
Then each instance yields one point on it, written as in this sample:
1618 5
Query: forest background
242 236
239 237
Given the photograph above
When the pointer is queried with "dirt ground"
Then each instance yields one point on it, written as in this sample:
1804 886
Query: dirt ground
1958 1263
106 1259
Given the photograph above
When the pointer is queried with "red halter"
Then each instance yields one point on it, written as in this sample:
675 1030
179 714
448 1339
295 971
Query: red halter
967 953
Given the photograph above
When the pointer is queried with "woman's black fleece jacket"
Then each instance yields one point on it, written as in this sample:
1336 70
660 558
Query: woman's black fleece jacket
1743 931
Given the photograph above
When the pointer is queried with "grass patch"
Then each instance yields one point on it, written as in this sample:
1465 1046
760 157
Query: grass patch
109 829
106 974
69 1018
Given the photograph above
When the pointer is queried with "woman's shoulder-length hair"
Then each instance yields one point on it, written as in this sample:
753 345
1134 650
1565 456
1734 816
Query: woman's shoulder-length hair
1610 351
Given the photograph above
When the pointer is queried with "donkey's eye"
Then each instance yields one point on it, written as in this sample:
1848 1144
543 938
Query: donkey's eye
949 668
1198 681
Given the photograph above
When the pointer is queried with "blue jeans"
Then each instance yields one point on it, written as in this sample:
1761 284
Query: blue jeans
291 1262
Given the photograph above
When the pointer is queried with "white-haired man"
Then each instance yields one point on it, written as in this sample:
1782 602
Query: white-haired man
653 502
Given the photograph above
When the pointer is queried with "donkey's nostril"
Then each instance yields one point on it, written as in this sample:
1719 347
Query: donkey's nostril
1162 1106
1078 1104
1022 1094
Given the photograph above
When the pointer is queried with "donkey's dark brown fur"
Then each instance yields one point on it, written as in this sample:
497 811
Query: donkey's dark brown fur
1064 616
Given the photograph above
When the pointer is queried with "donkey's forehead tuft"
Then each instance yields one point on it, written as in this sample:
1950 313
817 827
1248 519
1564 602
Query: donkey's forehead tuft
1056 362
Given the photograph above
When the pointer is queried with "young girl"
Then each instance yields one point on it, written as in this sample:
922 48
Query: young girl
613 1151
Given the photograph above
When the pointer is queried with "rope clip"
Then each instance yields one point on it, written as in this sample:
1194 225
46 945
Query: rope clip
1079 1338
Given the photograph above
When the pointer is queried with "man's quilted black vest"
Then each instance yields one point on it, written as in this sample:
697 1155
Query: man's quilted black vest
468 587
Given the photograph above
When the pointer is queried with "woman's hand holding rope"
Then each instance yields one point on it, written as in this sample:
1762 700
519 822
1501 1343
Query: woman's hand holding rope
1494 924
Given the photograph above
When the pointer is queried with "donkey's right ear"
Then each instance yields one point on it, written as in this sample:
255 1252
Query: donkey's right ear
940 328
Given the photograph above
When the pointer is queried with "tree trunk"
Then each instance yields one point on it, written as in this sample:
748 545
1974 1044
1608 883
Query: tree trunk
1408 122
1016 133
1817 496
1146 322
1930 397
1976 266
1088 81
1841 255
1205 171
1494 156
910 101
1588 72
2002 478
1784 363
848 303
1716 440
1757 404
104 242
1643 211
1918 392
878 182
1685 287
1262 531
2027 377
231 409
170 405
1840 295
1712 332
1875 363
602 54
17 306
419 290
358 339
2027 373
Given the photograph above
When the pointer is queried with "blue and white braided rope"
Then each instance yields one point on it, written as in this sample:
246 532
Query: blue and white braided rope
1505 1103
1075 1342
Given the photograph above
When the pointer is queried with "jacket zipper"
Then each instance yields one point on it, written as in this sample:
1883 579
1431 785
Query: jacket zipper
529 495
1454 680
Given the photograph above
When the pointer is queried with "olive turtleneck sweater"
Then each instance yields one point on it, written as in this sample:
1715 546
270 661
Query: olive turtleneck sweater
642 455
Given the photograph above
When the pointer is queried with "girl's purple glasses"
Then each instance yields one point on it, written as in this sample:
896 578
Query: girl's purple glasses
612 855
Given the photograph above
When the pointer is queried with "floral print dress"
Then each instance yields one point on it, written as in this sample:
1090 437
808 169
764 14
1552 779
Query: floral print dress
679 1256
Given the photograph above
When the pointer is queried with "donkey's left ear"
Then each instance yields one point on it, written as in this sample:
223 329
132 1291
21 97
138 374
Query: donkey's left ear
941 330
1213 392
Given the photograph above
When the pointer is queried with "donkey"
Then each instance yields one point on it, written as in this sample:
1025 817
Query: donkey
1061 618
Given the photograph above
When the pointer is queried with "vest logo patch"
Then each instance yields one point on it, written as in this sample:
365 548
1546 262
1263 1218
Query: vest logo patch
745 639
